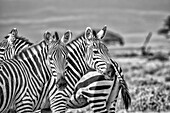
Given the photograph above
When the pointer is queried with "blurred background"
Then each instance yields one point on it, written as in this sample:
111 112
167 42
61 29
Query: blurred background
134 37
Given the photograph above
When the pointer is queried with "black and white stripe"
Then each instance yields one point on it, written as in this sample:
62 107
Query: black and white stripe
23 77
13 45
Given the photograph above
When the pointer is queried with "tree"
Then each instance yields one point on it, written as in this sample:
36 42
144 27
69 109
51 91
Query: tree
166 28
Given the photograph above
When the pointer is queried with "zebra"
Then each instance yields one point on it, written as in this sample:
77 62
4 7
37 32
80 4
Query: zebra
76 66
24 76
57 70
113 73
115 69
13 45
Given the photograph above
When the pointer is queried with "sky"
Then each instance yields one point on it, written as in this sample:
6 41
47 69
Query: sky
133 19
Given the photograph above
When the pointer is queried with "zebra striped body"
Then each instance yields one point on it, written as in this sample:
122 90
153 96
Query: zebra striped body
13 45
24 69
94 87
23 77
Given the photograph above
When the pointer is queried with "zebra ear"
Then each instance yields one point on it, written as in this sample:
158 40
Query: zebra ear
47 36
14 32
55 36
66 37
102 32
88 33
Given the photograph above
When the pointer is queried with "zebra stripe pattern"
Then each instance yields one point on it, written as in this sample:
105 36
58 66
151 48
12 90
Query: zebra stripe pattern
13 45
23 77
57 59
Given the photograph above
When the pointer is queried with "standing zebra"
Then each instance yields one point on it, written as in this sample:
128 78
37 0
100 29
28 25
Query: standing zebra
77 66
12 45
57 59
22 78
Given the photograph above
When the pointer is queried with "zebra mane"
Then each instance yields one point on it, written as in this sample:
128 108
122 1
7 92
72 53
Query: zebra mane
124 89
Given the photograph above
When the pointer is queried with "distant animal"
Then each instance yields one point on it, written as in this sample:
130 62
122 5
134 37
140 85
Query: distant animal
110 38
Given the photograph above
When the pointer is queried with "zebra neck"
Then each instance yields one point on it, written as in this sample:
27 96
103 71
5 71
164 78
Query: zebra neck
76 55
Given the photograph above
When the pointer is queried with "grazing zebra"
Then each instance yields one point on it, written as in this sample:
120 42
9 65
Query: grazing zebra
77 66
12 45
23 77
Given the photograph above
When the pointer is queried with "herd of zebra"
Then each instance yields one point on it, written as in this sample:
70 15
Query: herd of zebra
59 73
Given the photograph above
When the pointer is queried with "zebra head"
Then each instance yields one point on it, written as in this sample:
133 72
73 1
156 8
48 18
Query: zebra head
98 56
58 51
57 56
